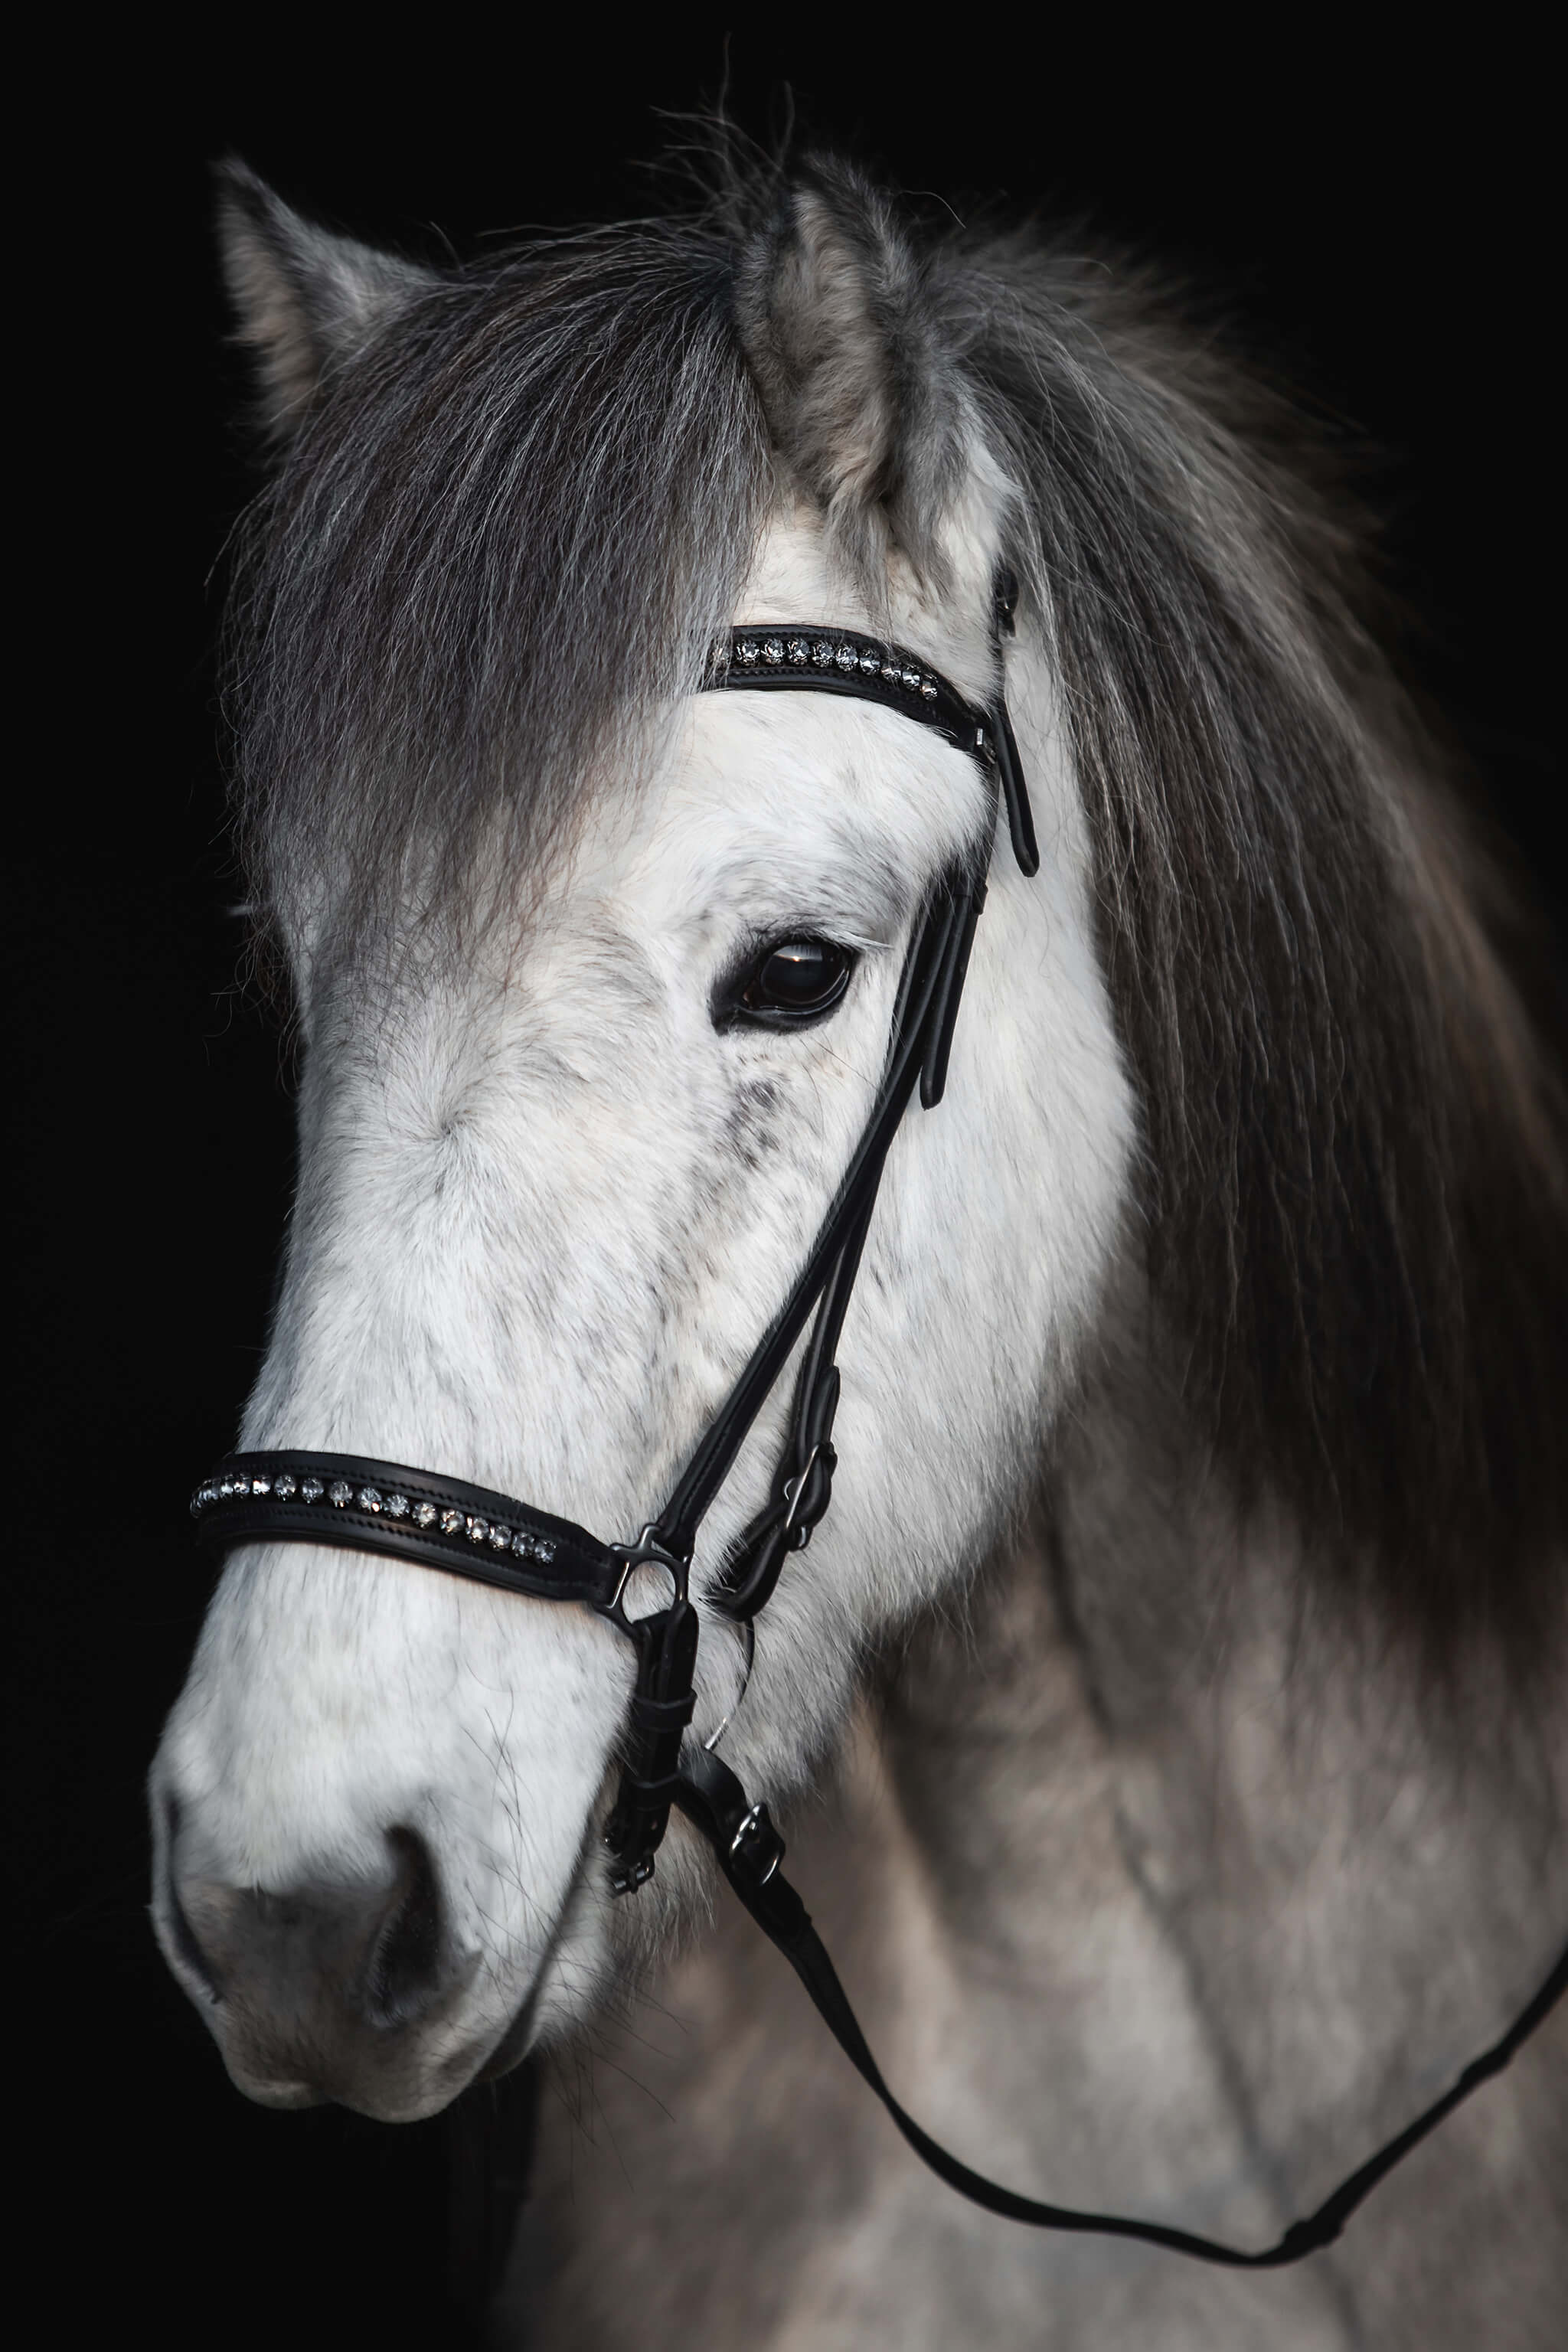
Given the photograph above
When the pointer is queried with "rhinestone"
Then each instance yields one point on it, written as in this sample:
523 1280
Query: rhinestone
261 1485
451 1523
543 1549
746 652
891 673
370 1499
928 690
822 653
205 1494
285 1486
772 651
523 1545
340 1493
398 1506
845 657
871 664
477 1530
499 1536
425 1514
912 678
799 652
311 1490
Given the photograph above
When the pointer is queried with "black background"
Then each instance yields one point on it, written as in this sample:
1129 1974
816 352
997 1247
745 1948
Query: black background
1378 220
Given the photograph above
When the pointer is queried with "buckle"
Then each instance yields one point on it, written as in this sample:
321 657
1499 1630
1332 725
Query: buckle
758 1845
795 1532
628 1880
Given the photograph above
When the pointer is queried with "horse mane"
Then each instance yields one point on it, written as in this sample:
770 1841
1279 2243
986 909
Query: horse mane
1353 1193
517 519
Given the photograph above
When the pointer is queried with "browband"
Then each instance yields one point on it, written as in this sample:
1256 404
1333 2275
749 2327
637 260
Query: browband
782 657
348 1500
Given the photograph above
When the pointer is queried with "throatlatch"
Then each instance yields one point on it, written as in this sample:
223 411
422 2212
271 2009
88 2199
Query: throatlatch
444 1523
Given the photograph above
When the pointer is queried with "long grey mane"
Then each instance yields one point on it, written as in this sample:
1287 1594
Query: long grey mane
508 530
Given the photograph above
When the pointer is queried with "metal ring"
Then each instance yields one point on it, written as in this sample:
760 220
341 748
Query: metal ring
647 1553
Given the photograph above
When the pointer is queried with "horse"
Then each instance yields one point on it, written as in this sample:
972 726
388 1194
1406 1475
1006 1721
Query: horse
1167 1717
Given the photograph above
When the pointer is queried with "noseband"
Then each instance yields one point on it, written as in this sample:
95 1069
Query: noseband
348 1500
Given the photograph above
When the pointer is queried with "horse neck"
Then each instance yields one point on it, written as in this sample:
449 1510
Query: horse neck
1147 1717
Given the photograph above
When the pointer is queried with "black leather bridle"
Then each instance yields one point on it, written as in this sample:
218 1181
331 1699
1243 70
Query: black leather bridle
347 1500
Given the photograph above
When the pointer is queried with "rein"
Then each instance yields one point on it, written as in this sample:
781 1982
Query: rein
350 1501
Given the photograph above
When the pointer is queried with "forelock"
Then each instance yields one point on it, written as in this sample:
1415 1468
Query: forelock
501 544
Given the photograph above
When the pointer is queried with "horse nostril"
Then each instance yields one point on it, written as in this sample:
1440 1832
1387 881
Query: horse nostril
403 1969
302 1970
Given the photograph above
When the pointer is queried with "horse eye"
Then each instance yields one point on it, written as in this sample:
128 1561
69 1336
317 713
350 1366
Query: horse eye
798 980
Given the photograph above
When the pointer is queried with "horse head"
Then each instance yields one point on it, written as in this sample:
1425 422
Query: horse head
594 974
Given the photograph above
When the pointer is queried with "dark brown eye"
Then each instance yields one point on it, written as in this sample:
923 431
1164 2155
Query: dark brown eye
799 980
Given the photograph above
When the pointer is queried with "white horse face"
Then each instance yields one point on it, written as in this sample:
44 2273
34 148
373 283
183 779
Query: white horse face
544 1214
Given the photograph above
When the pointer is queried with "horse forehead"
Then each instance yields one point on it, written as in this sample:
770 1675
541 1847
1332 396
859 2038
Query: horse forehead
799 783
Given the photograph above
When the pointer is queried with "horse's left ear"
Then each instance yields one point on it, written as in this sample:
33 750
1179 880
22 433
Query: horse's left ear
864 402
306 298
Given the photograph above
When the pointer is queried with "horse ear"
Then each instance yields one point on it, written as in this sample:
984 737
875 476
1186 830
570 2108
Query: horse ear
305 298
862 400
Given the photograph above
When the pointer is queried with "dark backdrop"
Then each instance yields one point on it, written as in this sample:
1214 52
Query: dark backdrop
1379 224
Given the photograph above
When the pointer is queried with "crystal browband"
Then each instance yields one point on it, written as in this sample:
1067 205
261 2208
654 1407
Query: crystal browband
787 657
769 649
843 661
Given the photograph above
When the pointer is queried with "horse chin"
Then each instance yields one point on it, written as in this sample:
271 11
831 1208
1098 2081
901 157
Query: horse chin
402 2081
515 2043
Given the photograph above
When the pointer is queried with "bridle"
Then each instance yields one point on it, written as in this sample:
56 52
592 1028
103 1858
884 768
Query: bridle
347 1500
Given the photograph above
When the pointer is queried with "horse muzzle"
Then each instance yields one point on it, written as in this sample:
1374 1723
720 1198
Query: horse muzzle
350 1988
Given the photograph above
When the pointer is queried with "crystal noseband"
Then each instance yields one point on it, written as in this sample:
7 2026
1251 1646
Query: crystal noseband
339 1499
289 1497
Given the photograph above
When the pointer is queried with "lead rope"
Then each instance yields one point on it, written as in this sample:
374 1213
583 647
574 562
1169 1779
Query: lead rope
748 1850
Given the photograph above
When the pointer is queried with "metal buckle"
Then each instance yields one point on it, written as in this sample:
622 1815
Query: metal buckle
794 1489
756 1826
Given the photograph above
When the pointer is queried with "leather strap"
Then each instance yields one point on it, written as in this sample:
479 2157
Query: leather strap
803 657
445 1523
748 1850
350 1499
928 967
